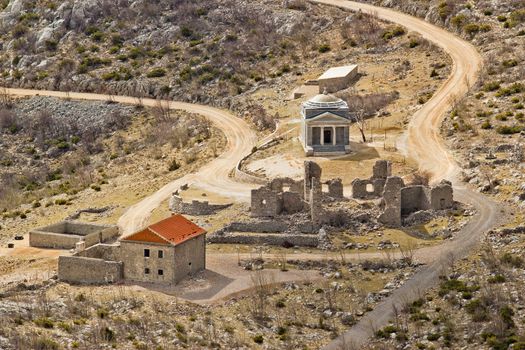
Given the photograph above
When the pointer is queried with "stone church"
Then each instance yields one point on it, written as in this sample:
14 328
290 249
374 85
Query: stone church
325 126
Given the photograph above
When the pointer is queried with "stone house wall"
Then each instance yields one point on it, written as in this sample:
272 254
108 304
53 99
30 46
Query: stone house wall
177 262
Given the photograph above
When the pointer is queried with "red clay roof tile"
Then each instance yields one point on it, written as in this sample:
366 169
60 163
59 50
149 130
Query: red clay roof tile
174 230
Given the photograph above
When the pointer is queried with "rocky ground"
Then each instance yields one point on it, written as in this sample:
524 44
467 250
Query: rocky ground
53 315
201 52
62 156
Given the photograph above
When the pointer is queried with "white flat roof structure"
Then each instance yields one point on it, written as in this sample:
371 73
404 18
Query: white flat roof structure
338 72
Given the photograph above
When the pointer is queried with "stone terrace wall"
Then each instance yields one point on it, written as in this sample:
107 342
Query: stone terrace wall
301 240
75 269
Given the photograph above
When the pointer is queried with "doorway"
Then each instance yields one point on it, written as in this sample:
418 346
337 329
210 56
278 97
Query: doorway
328 137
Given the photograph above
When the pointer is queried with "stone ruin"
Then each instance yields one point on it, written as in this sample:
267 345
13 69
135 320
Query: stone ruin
399 200
195 207
373 187
286 212
288 196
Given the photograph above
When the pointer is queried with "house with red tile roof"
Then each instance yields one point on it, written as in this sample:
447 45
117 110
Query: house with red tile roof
164 252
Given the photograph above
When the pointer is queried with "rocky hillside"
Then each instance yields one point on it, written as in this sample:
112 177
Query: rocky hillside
486 127
195 51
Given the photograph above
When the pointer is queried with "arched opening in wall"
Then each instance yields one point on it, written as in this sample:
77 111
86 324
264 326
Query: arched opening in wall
369 188
442 203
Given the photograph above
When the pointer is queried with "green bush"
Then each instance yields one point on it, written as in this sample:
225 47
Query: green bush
491 86
508 130
174 165
156 73
324 48
258 339
486 125
45 322
471 28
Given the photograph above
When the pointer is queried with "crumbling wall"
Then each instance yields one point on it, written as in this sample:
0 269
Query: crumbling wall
292 202
335 188
442 196
311 170
414 198
315 201
391 203
382 169
194 207
373 187
101 251
76 269
265 203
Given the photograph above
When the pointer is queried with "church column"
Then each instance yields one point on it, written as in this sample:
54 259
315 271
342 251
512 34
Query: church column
322 135
333 135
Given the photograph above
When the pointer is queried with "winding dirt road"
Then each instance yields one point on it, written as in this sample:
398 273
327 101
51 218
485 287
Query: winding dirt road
213 177
424 144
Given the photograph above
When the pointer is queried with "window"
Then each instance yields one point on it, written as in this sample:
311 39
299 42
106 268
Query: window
146 253
161 272
161 254
146 271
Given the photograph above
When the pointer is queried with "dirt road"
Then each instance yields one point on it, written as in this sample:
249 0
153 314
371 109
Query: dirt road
424 144
213 177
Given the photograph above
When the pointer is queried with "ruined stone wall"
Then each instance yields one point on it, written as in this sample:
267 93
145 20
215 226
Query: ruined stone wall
292 202
442 196
391 203
265 203
414 198
335 188
194 207
360 188
382 169
76 269
311 170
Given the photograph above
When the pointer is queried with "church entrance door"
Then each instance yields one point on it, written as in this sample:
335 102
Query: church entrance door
327 133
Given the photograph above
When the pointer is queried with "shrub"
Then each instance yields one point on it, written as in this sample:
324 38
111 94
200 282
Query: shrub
258 339
156 73
174 165
486 125
324 48
508 130
491 86
413 43
471 28
509 63
44 322
511 260
45 344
